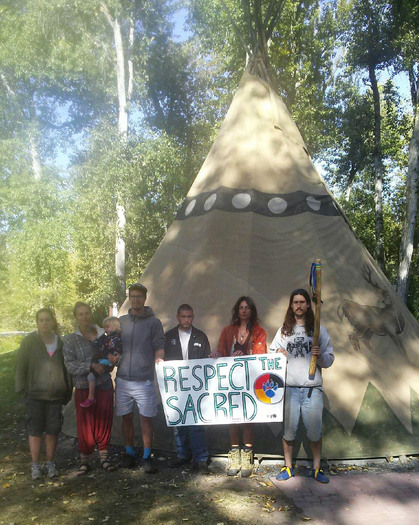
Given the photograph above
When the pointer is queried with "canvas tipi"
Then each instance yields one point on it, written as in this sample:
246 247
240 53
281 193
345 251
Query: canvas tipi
256 217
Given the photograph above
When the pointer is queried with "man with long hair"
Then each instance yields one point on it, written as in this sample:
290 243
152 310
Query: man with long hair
303 397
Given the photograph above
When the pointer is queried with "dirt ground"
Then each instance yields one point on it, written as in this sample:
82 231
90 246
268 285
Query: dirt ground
172 496
130 496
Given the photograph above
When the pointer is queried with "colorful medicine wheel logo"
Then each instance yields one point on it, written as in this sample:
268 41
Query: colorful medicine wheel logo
269 388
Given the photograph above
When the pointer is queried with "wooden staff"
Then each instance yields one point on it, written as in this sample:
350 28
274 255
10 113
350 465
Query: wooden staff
316 286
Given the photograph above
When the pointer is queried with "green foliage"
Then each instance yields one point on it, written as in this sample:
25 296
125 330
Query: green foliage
10 343
37 256
147 175
361 199
13 409
59 92
301 55
370 34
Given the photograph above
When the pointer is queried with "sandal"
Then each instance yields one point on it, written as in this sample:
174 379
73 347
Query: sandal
107 465
83 469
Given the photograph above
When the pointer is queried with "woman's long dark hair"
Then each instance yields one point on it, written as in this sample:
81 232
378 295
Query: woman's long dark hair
51 314
289 321
235 319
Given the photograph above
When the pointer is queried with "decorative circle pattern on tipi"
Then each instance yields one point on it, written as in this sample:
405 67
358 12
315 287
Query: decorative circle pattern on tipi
239 200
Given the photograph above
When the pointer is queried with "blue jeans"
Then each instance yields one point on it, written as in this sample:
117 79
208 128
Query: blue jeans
190 443
298 403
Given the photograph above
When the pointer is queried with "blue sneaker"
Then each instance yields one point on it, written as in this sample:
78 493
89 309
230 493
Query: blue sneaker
319 476
286 473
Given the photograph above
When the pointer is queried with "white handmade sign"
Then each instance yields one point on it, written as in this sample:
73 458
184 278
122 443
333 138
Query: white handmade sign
245 389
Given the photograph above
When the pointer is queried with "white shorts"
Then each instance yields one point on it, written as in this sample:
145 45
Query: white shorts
129 392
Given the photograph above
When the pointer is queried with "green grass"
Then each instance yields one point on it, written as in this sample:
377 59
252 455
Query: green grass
8 344
12 406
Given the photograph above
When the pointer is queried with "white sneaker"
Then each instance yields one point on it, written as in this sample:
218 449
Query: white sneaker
36 471
52 471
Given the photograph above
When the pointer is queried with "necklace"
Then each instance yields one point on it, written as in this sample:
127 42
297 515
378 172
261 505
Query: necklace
243 334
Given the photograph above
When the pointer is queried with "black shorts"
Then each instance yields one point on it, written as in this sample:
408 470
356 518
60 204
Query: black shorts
43 416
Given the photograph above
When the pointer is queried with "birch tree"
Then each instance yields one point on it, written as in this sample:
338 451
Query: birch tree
124 81
406 20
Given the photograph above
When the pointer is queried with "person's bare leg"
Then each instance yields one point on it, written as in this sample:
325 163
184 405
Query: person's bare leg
35 444
147 431
248 435
128 429
147 434
316 450
50 446
288 449
234 455
92 388
234 431
247 460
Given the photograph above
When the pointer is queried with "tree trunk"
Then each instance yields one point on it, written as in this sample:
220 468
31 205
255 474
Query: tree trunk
124 89
378 173
33 145
352 174
407 241
36 163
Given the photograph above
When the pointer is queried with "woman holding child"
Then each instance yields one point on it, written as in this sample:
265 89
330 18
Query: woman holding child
94 421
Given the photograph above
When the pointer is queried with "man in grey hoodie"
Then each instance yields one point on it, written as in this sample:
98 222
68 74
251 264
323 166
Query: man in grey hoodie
142 346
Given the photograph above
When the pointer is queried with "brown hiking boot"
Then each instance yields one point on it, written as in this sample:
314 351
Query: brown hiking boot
247 463
234 462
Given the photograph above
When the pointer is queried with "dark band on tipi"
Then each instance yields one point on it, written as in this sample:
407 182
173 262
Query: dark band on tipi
268 204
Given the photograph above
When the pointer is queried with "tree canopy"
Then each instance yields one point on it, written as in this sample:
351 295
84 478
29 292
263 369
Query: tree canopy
107 116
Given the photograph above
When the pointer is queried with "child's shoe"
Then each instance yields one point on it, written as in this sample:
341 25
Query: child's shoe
87 403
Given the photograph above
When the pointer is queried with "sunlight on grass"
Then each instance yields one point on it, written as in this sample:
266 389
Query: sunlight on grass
9 344
12 402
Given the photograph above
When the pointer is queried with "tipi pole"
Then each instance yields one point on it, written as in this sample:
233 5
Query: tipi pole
316 287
